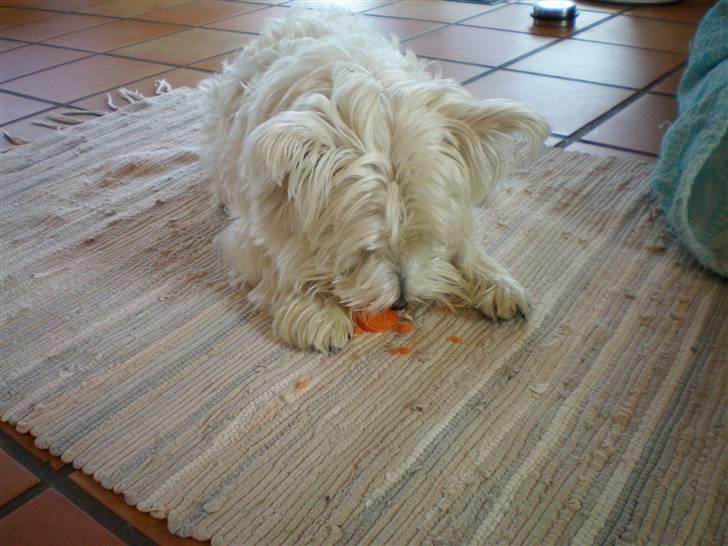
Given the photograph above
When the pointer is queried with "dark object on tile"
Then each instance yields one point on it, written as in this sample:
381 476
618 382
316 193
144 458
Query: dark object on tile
554 13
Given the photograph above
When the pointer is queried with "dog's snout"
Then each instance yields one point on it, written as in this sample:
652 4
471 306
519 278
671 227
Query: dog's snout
400 304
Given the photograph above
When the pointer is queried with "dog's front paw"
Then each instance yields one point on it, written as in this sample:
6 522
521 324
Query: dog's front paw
312 323
503 298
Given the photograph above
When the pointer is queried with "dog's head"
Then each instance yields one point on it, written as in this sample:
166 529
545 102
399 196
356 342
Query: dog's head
373 184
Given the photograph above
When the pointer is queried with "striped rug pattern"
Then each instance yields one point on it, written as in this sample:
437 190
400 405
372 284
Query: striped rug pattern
602 419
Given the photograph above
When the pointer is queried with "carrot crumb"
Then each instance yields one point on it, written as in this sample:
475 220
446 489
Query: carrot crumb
301 384
400 351
358 331
455 339
404 328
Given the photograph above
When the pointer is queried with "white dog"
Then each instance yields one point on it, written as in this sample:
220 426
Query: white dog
350 174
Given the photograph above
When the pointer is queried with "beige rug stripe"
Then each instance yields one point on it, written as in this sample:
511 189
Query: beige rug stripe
125 352
614 487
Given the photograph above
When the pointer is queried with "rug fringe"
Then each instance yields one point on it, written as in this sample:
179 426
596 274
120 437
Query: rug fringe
110 102
161 87
41 123
66 120
14 140
131 96
84 113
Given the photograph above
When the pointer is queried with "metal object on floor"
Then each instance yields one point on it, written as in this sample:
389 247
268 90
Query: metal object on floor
554 13
638 2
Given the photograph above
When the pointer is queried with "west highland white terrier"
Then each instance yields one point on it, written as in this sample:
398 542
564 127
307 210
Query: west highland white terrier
350 174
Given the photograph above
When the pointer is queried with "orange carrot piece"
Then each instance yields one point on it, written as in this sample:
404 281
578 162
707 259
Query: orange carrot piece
378 322
358 331
455 339
400 351
301 384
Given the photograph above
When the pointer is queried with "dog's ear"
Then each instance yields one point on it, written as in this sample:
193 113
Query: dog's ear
489 134
291 142
296 150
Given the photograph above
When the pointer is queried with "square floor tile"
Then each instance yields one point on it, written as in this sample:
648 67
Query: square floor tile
114 35
355 6
7 45
607 152
600 6
681 12
179 77
670 84
50 518
83 78
52 26
10 17
188 46
253 21
401 28
566 105
198 13
517 17
475 45
18 3
155 529
128 8
432 10
69 5
214 64
642 32
33 58
13 107
16 479
456 71
601 63
639 127
552 141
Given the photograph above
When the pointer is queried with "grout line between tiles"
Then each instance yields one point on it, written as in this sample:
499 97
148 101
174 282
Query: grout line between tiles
568 79
89 55
631 46
462 22
532 52
59 481
612 147
42 42
27 495
579 133
628 14
51 107
184 27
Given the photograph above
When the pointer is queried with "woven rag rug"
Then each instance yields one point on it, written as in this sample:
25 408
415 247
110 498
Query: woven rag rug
601 419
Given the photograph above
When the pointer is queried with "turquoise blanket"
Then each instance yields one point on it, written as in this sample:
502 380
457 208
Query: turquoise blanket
691 176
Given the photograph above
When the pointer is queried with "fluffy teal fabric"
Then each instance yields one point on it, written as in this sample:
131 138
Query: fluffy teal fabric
691 177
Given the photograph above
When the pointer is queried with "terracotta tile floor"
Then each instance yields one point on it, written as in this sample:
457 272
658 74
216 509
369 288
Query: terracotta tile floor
606 86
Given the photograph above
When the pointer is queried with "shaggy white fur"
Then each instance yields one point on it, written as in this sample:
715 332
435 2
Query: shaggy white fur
350 174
